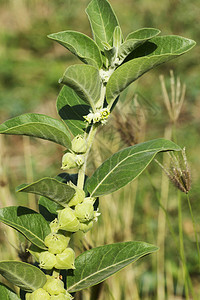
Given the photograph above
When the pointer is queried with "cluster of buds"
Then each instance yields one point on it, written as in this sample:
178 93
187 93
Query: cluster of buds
52 290
100 116
75 158
78 215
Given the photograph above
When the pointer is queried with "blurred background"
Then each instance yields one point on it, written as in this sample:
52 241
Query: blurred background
30 66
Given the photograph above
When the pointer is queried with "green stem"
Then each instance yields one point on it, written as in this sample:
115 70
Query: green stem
194 227
82 169
182 253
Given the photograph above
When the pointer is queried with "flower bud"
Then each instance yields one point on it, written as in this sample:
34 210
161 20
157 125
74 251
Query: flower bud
38 295
54 286
67 220
85 227
79 144
65 296
56 243
78 197
47 260
84 211
65 260
69 161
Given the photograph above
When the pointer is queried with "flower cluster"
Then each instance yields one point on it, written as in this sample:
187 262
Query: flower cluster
100 116
52 290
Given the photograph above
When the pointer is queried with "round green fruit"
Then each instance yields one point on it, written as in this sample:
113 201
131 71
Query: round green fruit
79 144
65 260
47 260
54 286
67 220
84 211
56 243
39 294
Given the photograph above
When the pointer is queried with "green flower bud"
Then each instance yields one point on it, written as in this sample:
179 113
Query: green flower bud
78 197
47 260
84 211
85 227
54 286
67 220
65 296
65 260
28 296
39 294
56 243
79 144
69 161
54 226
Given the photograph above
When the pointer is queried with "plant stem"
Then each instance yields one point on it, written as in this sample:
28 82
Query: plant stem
194 227
182 253
82 169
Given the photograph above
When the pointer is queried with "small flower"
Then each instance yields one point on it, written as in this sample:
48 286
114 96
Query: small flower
56 243
100 116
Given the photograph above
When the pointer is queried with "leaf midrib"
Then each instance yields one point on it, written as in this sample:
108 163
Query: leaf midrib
26 230
107 268
118 164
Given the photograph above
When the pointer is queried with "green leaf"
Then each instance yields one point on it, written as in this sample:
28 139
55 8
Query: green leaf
81 45
126 165
51 188
71 109
27 221
85 81
95 265
40 126
7 294
47 208
135 39
23 275
117 37
146 57
103 21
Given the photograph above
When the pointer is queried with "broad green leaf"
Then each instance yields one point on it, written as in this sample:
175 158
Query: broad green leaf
135 39
28 222
38 125
85 81
23 275
95 265
151 54
71 109
126 165
51 188
7 294
47 208
103 21
80 45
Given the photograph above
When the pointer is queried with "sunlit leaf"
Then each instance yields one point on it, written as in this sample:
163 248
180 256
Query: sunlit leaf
125 165
23 275
95 265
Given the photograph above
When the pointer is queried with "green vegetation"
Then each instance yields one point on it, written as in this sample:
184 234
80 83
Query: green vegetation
149 208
